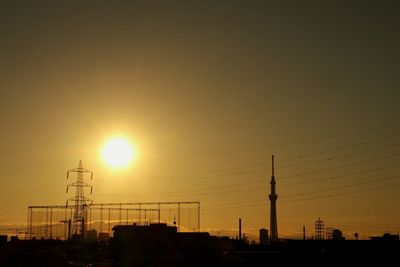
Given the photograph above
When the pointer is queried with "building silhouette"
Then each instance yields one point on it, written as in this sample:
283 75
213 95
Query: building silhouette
334 234
263 236
161 245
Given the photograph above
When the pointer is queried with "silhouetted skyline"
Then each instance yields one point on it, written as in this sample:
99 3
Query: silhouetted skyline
207 91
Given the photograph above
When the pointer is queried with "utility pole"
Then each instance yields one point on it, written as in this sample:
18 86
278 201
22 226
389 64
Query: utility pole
69 227
240 228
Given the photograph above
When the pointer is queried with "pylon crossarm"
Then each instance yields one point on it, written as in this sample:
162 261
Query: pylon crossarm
80 170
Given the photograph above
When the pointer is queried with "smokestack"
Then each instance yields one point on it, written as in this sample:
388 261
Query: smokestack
240 228
304 232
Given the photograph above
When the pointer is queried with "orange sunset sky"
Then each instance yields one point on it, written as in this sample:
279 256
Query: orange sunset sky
206 92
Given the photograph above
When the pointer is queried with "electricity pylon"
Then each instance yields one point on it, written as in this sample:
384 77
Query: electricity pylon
81 203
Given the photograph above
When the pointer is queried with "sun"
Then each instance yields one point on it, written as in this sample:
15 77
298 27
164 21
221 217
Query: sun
118 152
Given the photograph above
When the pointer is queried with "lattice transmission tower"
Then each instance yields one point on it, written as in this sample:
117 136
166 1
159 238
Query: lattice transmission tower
81 203
319 229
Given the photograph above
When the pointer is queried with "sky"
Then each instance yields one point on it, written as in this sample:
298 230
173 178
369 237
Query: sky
207 91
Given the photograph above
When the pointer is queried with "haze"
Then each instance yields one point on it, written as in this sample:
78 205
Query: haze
200 87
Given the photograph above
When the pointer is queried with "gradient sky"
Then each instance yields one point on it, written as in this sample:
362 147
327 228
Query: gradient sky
203 86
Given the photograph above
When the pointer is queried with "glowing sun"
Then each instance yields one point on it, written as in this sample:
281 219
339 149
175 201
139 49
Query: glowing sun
118 152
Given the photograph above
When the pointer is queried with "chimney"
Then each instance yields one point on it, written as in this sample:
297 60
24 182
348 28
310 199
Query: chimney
240 228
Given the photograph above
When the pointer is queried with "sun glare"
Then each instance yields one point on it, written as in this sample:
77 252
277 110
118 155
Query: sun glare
118 152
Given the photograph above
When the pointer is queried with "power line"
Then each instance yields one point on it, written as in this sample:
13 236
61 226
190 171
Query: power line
377 225
199 175
345 193
259 181
226 205
299 174
341 156
185 193
339 176
341 148
341 186
285 177
341 166
27 196
310 140
223 205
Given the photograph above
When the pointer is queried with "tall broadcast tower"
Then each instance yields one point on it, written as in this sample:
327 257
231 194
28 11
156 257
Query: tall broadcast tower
273 197
81 203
